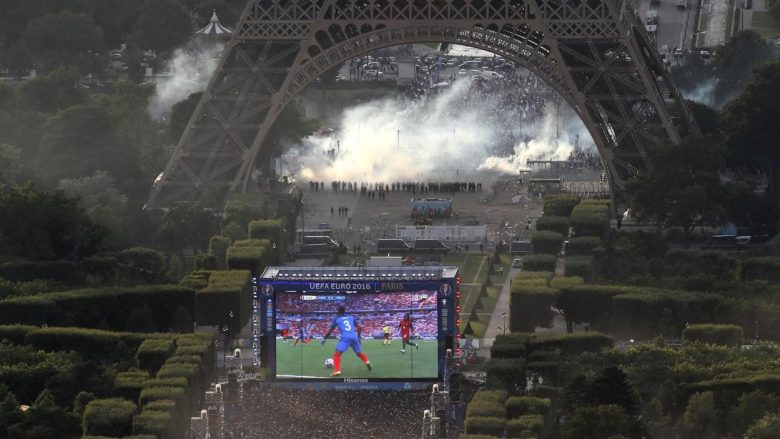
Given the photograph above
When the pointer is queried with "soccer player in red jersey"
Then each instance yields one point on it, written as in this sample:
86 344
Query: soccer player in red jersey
406 333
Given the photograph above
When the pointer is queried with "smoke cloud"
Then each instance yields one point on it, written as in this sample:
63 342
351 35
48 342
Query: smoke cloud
438 139
704 93
190 70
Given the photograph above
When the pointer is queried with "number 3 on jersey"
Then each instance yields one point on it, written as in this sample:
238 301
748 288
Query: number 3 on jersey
347 326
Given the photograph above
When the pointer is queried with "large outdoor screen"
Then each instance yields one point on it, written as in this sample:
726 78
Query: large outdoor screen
373 324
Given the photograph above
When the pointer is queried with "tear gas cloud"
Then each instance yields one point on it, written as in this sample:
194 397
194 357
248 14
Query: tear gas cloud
191 69
397 139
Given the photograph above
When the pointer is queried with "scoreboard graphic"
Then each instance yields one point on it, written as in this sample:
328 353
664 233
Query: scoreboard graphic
355 327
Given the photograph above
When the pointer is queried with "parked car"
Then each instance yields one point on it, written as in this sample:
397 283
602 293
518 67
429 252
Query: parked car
430 246
392 246
517 263
520 248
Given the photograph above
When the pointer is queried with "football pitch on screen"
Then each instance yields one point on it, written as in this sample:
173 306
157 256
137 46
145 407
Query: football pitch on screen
308 361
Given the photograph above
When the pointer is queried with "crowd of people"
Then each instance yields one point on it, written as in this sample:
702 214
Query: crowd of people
373 310
273 412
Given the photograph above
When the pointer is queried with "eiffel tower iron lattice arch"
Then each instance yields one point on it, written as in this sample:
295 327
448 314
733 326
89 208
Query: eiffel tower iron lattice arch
595 53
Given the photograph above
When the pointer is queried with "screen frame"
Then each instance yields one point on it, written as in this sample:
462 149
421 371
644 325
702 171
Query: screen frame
265 323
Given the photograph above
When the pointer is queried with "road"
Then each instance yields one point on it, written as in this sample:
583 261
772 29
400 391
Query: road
674 24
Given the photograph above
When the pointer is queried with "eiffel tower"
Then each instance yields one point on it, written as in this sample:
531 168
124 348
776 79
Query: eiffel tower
595 53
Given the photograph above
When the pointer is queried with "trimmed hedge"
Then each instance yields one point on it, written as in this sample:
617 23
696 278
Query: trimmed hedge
164 405
484 425
274 230
173 381
64 272
763 268
728 335
558 224
149 307
153 422
573 343
109 417
507 350
249 254
505 373
530 307
580 266
539 263
93 343
586 303
228 291
197 280
153 353
589 224
15 333
128 384
163 392
490 395
486 408
243 208
546 242
218 246
583 245
640 311
559 205
525 426
527 405
476 436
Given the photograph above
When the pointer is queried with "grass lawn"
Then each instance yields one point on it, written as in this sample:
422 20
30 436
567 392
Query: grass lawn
308 361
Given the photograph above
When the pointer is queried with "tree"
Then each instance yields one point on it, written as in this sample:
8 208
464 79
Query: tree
46 420
64 39
767 427
9 164
750 125
683 186
44 225
79 141
706 117
187 226
691 74
699 418
750 408
57 90
162 25
735 60
611 387
99 197
180 116
598 423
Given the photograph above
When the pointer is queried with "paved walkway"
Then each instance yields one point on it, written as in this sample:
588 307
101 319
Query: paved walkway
502 307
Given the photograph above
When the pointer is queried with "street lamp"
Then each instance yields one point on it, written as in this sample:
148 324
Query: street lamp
504 316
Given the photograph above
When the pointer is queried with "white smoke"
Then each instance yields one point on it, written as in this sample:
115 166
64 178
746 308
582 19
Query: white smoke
704 93
190 70
396 139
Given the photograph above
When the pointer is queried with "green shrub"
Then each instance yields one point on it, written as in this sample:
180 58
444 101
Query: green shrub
507 350
481 425
583 245
476 436
141 264
109 417
539 263
197 280
164 405
729 335
205 262
142 308
545 242
586 303
505 373
243 208
486 408
218 246
530 307
573 343
128 384
566 282
518 428
15 333
157 393
251 254
187 359
228 291
169 381
580 266
589 224
639 311
154 422
527 405
88 342
274 230
559 205
762 268
188 371
558 224
63 272
498 396
152 354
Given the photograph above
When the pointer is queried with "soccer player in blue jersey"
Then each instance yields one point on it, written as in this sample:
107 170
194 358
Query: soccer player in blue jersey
349 329
304 333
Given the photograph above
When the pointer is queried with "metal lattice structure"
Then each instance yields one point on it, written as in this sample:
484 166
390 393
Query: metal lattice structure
595 53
